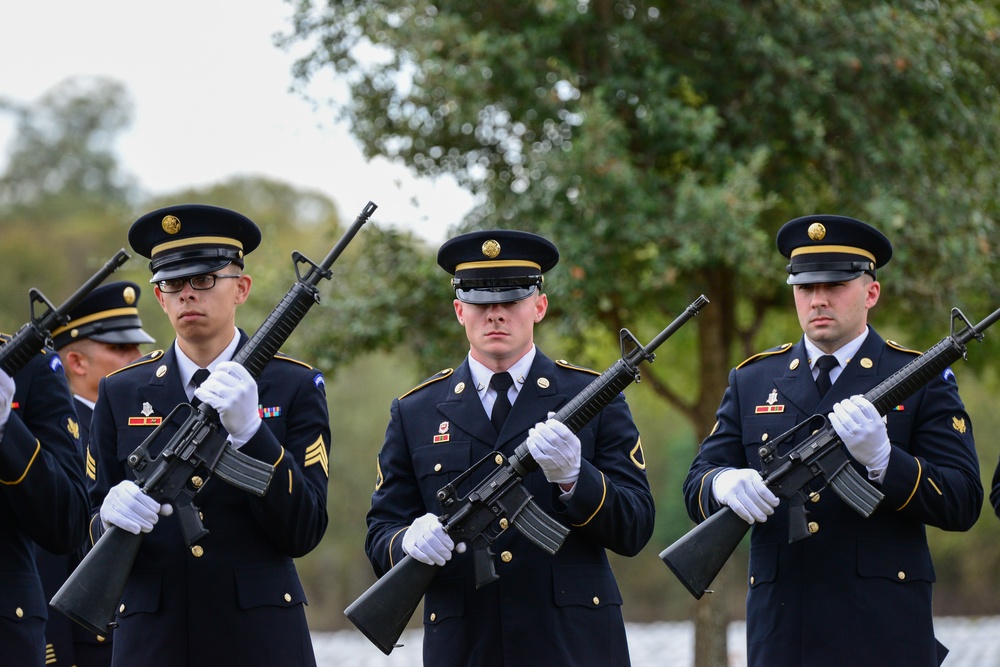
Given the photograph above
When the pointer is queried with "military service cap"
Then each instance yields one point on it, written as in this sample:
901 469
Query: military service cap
831 249
497 266
109 314
191 239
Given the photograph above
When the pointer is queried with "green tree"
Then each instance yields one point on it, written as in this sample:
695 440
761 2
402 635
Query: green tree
64 195
662 144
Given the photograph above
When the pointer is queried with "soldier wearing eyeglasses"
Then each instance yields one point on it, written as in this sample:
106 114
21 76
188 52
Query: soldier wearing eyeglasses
234 597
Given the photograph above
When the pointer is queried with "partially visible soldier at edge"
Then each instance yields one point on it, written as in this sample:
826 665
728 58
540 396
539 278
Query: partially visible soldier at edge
102 335
562 609
858 590
43 497
233 598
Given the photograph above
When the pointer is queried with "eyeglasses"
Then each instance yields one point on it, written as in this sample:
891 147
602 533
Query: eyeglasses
202 281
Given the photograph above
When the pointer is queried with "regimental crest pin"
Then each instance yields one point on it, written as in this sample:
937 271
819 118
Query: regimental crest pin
443 427
147 409
772 399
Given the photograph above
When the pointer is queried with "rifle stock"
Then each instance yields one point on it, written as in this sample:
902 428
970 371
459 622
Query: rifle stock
91 593
699 555
382 612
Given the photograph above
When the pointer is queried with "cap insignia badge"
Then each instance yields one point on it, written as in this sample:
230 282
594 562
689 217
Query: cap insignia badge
129 295
817 231
171 224
491 248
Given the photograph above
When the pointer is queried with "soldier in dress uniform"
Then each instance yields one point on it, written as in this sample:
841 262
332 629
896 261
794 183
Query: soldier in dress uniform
562 609
102 335
858 590
43 497
234 597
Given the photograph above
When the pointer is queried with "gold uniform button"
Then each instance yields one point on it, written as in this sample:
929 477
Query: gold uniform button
814 497
498 459
901 575
597 600
506 556
197 482
197 551
752 579
504 523
121 608
19 612
288 597
433 616
437 467
813 527
101 639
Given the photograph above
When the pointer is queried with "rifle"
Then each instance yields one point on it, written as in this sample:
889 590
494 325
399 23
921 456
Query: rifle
196 451
698 556
35 334
382 612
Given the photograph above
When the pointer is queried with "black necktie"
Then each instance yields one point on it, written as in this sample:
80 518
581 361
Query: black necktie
501 382
825 364
199 376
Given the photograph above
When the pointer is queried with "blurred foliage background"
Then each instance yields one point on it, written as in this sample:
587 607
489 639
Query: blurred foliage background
660 145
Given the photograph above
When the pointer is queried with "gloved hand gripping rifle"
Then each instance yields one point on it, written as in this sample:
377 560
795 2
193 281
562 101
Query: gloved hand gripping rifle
383 611
698 556
195 452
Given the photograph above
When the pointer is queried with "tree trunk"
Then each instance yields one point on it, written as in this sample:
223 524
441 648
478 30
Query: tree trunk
717 334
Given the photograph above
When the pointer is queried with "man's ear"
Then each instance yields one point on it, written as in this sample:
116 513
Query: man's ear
74 362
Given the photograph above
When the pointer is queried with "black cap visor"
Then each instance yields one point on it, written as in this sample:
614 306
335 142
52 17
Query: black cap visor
495 289
193 267
827 272
124 337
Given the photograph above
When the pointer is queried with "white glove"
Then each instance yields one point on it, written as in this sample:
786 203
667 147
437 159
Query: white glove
556 449
744 491
862 429
427 541
232 391
129 508
6 397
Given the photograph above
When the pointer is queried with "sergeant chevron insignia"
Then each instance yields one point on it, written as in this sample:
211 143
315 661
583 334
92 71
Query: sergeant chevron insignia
316 454
91 466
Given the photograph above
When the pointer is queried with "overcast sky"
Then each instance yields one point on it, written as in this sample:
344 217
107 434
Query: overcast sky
211 100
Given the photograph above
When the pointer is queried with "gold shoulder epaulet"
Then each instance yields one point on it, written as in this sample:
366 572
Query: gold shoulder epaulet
767 353
152 356
566 364
440 375
281 356
896 346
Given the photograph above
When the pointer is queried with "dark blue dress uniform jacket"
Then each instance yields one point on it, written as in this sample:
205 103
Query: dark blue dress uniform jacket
43 501
236 598
544 610
858 591
68 642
